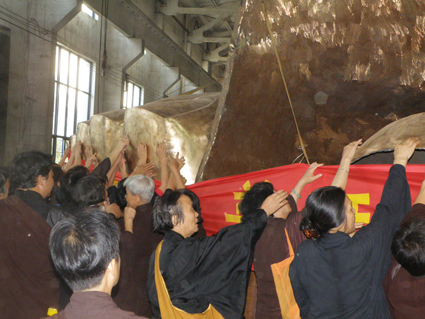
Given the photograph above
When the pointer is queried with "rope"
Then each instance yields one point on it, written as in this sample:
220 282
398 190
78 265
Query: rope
283 78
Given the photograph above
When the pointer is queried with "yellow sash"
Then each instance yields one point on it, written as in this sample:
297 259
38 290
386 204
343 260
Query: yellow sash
168 311
288 305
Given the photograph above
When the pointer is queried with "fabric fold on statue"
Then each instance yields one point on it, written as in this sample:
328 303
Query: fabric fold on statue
28 285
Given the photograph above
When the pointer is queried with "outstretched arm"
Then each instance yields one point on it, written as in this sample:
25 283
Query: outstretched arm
121 146
308 178
65 154
161 152
341 176
173 163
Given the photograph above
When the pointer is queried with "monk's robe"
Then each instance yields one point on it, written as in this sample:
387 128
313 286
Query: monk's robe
212 270
136 248
28 283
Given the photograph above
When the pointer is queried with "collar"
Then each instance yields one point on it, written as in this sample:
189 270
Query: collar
28 195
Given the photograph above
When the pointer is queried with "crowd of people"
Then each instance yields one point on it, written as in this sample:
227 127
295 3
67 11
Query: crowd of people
74 244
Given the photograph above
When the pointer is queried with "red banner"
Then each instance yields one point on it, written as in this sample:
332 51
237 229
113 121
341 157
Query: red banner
220 197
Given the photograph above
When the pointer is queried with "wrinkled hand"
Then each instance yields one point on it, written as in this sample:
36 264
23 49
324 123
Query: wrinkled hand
274 202
161 151
350 150
129 213
180 160
142 153
114 209
403 151
309 176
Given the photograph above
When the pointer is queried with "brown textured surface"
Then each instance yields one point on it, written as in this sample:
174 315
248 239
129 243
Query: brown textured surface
366 56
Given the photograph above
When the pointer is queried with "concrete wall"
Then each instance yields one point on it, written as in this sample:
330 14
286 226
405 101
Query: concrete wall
31 68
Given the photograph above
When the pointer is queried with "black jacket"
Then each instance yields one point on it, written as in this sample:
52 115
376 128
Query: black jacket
338 276
212 270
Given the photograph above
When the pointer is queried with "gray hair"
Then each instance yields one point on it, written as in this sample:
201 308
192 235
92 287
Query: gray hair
141 185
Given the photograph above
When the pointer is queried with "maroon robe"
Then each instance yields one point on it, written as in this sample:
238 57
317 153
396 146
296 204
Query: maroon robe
271 248
28 283
93 305
405 293
130 293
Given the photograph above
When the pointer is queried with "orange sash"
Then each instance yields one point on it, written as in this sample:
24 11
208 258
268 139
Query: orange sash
168 311
288 305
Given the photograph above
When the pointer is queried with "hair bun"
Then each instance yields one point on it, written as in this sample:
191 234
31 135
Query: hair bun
306 226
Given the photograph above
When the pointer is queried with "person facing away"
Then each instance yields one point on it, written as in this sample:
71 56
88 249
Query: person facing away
404 283
339 273
138 241
28 285
85 253
272 247
211 271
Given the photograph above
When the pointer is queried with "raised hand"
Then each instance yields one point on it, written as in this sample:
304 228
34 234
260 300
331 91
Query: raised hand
67 149
309 176
87 152
161 151
173 164
350 150
180 160
144 169
274 202
124 143
403 151
142 153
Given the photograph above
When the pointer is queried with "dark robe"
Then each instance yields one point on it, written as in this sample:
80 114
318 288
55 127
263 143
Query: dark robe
136 248
93 305
338 276
271 248
28 284
405 293
35 201
212 270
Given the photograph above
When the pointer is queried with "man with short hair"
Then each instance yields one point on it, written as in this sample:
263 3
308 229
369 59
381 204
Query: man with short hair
32 179
85 252
404 283
28 285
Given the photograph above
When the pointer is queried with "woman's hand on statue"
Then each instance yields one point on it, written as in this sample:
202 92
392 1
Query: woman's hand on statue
350 150
274 202
403 151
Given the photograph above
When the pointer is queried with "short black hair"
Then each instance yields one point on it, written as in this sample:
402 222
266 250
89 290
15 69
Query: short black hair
90 190
57 173
324 210
254 198
82 247
165 208
26 168
121 193
408 246
68 182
